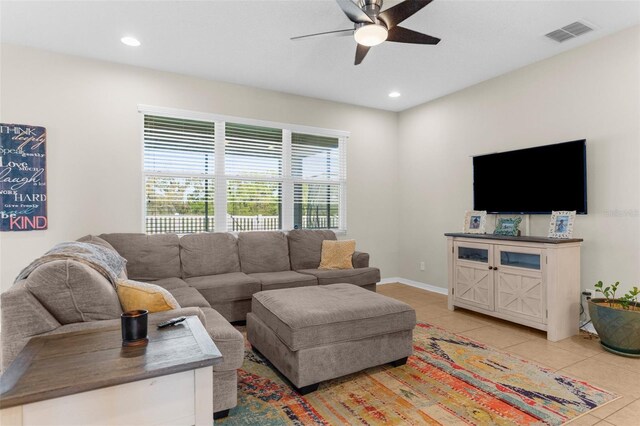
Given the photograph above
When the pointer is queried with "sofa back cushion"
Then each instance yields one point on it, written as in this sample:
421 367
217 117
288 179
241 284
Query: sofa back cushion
263 251
149 257
208 253
73 292
305 247
92 239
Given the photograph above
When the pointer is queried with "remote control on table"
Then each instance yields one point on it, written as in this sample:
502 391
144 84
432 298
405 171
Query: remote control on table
172 321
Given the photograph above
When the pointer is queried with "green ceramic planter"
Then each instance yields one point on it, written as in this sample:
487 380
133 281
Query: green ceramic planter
618 329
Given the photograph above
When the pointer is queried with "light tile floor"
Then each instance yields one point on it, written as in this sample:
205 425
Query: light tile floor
579 356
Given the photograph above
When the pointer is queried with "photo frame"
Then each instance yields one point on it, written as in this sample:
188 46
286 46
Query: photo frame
475 222
508 226
561 225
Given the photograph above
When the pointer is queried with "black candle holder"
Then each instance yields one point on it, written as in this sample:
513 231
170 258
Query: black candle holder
134 328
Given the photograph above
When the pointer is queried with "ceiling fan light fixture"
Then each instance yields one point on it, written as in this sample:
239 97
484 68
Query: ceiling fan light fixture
371 34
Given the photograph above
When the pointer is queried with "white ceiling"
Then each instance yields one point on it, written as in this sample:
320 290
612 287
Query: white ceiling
247 42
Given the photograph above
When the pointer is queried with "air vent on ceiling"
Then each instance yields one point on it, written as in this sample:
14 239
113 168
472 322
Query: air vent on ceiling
570 31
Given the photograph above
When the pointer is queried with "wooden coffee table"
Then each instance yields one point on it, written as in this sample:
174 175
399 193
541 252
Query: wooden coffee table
88 378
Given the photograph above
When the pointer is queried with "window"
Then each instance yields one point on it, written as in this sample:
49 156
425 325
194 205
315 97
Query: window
212 173
179 167
253 165
316 172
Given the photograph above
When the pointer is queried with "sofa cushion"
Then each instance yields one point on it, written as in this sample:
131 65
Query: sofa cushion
235 310
209 254
320 315
149 257
263 251
357 276
229 341
169 283
136 295
305 247
189 297
225 287
284 279
73 292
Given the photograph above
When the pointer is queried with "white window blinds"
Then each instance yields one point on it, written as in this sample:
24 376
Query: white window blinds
315 157
248 175
174 145
252 150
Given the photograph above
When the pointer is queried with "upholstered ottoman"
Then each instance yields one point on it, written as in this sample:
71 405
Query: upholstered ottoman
312 334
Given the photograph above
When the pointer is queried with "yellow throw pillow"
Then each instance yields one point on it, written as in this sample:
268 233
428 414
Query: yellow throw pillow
337 254
136 295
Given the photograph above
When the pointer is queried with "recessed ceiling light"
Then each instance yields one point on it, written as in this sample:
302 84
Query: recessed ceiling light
130 41
394 94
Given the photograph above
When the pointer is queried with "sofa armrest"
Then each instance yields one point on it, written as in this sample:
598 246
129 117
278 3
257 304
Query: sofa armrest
360 259
153 319
180 312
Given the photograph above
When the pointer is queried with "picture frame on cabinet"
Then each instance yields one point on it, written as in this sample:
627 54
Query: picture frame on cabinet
561 225
508 226
475 222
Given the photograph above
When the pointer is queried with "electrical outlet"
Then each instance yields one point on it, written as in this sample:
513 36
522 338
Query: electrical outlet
590 290
422 266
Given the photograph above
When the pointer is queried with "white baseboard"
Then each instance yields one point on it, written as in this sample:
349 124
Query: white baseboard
418 284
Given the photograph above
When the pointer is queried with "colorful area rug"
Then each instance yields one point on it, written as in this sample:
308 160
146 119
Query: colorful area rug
449 380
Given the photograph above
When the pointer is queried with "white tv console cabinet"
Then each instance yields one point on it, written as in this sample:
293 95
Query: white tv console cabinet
534 281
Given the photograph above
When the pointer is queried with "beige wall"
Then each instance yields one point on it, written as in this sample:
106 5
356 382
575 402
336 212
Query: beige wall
591 92
94 146
409 173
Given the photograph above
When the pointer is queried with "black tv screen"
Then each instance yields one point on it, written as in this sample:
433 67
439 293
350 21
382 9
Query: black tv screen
532 181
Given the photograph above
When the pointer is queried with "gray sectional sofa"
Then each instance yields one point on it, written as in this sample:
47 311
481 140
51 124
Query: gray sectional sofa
211 275
227 270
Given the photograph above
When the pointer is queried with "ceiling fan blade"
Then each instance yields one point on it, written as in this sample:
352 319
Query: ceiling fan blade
398 13
337 33
361 52
405 35
353 12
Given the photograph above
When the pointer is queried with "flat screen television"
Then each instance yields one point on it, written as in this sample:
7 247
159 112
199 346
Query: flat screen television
535 180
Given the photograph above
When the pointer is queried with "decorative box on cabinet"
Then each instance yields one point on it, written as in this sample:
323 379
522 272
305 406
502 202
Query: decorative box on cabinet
533 281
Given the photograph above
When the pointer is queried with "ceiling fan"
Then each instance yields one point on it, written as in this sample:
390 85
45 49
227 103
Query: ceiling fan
372 27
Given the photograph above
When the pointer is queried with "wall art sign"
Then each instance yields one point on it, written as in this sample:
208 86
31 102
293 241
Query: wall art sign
23 177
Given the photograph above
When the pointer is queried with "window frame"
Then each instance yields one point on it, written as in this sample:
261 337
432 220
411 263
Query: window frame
220 177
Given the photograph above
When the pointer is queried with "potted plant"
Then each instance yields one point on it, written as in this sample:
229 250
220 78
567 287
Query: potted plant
617 319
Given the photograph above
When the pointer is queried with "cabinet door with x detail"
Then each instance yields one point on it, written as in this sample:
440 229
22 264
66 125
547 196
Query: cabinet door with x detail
473 275
519 284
